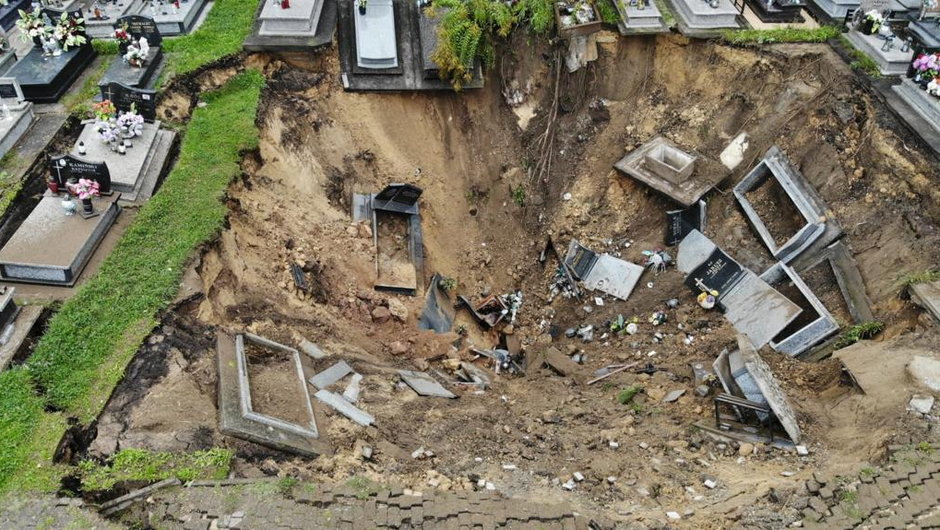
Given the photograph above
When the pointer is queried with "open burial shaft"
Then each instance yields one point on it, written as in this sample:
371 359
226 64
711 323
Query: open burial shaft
485 212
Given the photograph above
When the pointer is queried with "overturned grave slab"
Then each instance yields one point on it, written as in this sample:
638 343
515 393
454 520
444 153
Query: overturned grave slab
392 211
661 165
238 418
927 295
744 374
602 272
424 385
438 312
752 306
783 208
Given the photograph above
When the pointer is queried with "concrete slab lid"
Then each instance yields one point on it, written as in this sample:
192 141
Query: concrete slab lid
927 295
345 408
331 375
613 276
124 169
39 239
758 310
767 382
694 249
376 32
424 384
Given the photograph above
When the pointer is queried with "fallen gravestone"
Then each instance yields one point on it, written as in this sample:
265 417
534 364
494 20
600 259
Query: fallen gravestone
424 384
602 272
679 223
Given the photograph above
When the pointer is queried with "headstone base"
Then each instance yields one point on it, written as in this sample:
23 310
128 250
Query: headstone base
698 15
53 248
11 130
892 62
45 79
179 23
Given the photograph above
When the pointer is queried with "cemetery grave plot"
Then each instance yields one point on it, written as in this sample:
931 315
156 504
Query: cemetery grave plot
394 266
821 279
273 381
490 245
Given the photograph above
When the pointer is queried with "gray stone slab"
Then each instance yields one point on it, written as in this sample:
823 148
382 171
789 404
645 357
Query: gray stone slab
176 22
837 9
604 272
311 349
345 408
770 388
758 310
15 126
38 252
698 15
126 170
122 72
22 325
424 384
233 423
300 19
925 105
684 185
927 295
331 375
376 40
776 166
694 249
892 62
814 332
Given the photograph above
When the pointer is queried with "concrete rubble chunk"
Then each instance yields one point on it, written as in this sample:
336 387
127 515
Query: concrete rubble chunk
926 372
921 404
424 384
351 394
673 395
345 408
331 375
311 349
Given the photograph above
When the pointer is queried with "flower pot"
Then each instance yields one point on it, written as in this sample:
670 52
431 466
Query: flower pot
68 205
87 206
53 186
867 26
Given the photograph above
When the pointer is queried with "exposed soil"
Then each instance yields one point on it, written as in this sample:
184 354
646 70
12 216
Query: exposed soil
821 280
775 209
394 252
273 380
320 144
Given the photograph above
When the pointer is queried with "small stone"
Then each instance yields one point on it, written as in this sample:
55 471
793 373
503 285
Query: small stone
673 396
397 309
611 479
399 347
568 485
380 315
702 390
509 467
787 473
418 453
710 484
921 404
366 452
802 450
746 449
644 445
578 476
673 515
613 445
490 486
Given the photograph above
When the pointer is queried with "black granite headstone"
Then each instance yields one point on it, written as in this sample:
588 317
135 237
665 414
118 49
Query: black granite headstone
65 167
680 222
398 198
717 273
140 26
123 97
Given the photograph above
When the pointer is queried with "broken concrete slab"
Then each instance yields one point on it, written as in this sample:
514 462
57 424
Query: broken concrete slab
602 272
673 395
663 166
233 423
775 170
345 408
438 312
769 387
925 371
800 338
927 295
561 363
752 306
312 350
351 394
920 404
424 384
331 375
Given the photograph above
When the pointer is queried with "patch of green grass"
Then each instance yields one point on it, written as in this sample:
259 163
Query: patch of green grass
10 186
362 487
222 33
867 471
912 278
860 60
627 394
89 341
858 332
106 47
770 36
285 486
925 447
143 465
608 11
849 496
518 196
448 284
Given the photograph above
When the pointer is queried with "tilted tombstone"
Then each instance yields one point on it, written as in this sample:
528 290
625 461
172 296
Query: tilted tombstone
65 167
123 97
717 273
140 26
10 88
401 198
680 223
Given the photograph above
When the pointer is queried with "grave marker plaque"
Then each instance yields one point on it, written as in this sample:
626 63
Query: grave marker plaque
679 223
123 96
140 26
718 273
65 167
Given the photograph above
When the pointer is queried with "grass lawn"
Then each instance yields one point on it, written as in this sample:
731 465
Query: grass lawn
89 342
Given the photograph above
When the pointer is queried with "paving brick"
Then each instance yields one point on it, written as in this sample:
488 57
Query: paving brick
818 505
826 493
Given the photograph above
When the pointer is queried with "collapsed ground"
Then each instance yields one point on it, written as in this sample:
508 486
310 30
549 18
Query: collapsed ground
471 154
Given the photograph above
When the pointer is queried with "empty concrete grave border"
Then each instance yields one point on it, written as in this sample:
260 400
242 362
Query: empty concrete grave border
244 385
812 333
775 165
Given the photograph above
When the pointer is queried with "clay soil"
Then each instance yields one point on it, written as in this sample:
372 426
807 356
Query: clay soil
776 210
468 152
272 377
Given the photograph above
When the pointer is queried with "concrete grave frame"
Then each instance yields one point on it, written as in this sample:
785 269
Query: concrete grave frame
845 270
233 423
817 331
245 387
678 184
21 114
401 199
775 165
